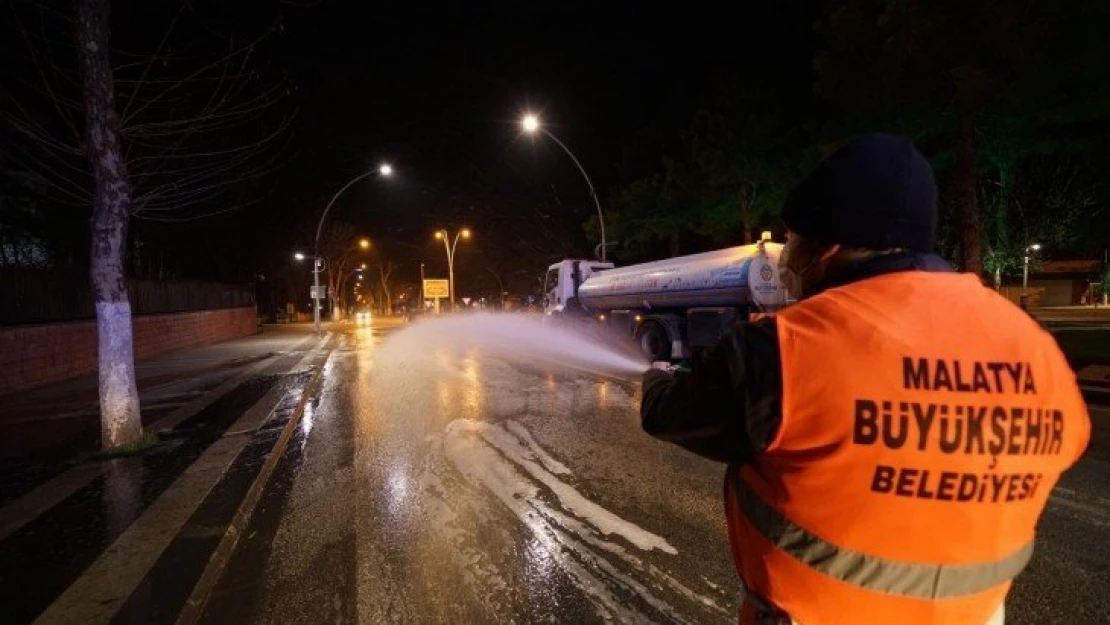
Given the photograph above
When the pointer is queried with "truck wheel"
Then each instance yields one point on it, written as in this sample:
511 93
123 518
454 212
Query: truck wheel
654 341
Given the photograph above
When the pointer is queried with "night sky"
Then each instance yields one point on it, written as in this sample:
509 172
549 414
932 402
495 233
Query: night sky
439 94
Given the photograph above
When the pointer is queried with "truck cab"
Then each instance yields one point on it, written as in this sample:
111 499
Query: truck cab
561 284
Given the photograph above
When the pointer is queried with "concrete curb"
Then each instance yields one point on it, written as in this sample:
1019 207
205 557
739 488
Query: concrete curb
194 607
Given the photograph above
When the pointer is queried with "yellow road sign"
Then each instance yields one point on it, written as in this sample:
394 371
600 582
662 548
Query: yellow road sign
436 289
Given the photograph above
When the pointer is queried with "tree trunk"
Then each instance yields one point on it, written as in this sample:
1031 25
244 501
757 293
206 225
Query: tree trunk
998 279
965 180
387 298
500 287
746 214
120 420
333 290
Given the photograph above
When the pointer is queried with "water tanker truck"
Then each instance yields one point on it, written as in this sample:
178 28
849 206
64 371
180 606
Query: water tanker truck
669 307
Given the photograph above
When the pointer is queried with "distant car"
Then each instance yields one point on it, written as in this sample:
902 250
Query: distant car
363 317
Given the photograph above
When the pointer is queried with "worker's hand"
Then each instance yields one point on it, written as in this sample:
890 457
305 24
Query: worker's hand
663 365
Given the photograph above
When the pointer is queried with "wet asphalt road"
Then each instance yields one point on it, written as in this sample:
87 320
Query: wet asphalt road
427 484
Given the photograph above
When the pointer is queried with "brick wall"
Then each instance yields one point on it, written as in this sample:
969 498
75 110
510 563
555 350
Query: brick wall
33 355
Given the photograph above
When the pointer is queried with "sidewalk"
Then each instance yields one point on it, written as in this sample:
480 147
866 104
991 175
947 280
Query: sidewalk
47 429
1094 381
1073 314
80 534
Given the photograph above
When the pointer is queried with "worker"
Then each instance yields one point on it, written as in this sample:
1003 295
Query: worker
892 437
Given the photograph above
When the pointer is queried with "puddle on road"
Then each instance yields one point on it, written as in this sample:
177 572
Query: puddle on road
595 548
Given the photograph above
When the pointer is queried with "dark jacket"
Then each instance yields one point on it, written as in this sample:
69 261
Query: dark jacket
729 405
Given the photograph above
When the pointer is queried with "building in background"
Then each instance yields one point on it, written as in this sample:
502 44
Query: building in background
1060 283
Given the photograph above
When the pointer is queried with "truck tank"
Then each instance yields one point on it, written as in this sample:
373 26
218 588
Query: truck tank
731 277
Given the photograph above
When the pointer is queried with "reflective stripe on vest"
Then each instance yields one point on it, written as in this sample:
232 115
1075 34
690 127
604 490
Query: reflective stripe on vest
921 581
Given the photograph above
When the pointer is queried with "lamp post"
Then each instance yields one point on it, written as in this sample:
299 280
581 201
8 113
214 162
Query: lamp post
450 246
531 125
384 170
1025 275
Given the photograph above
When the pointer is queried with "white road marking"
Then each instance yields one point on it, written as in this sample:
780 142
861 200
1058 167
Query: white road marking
1100 515
100 591
461 433
27 507
571 533
103 588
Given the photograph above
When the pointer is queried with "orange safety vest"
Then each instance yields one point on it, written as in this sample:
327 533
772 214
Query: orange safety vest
924 422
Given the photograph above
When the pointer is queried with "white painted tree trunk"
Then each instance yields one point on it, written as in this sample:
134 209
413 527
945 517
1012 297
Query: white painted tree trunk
120 420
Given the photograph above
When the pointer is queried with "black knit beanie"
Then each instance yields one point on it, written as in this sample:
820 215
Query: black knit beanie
877 193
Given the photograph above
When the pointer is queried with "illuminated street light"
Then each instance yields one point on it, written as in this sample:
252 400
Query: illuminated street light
531 125
442 235
364 244
383 170
363 266
1025 275
299 255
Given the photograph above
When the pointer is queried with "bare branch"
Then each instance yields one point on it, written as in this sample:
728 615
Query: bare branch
66 187
186 80
50 91
150 62
197 132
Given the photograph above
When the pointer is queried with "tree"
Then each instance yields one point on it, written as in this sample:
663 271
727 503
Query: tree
942 65
740 148
162 135
988 79
726 177
643 214
121 422
24 225
340 248
385 270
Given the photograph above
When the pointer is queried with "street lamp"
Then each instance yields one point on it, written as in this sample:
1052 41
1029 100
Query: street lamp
450 246
1025 275
1025 272
384 170
531 125
298 255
